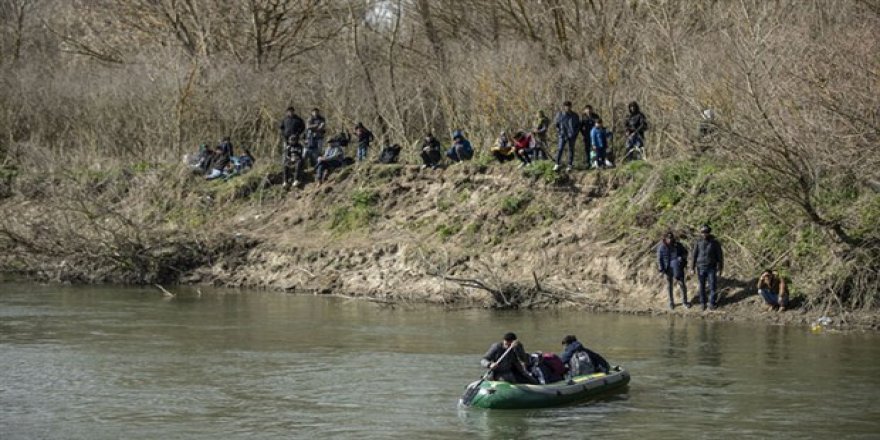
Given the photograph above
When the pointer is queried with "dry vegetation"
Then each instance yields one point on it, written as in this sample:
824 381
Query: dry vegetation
90 87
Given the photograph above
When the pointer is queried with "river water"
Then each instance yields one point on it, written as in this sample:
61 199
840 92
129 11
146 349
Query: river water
109 363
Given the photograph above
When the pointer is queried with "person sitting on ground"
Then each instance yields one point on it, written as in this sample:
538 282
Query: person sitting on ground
772 288
364 138
672 262
389 154
581 360
334 157
599 139
503 150
199 163
239 164
524 144
292 162
510 368
461 148
430 152
221 160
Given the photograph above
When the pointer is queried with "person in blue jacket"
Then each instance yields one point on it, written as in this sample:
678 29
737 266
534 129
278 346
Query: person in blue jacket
672 262
461 148
599 140
581 360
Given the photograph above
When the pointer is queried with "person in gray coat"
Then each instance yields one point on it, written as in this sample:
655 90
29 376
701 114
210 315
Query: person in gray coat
708 264
568 124
510 368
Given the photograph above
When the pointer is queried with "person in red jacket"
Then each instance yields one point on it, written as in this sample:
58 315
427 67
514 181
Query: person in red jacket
523 144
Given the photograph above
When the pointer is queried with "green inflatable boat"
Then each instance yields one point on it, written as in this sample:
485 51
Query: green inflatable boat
505 395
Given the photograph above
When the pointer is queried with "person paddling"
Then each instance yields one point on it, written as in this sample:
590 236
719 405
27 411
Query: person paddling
510 368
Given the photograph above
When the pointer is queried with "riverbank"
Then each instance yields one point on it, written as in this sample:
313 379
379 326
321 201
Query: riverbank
471 235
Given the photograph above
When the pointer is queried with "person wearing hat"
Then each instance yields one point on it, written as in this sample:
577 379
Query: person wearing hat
708 264
512 367
580 360
672 262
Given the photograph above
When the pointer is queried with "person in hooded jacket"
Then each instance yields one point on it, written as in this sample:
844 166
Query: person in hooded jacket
636 125
672 262
430 152
571 349
588 122
461 148
708 264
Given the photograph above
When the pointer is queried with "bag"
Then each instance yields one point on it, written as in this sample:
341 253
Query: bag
580 364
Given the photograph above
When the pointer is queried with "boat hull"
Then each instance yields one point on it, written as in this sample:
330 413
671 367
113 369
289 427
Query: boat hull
505 395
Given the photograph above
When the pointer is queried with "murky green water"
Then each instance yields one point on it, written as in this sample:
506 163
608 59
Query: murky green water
107 363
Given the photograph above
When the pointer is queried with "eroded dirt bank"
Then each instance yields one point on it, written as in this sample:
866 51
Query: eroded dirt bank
466 236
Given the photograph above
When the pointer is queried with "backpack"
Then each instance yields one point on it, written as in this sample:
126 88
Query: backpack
580 364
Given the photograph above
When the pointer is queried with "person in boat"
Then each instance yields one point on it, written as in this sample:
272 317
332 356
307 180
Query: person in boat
547 367
581 360
510 368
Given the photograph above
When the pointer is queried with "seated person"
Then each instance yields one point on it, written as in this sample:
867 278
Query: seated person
333 158
511 367
580 360
200 162
772 288
524 143
503 149
430 153
220 160
461 149
389 153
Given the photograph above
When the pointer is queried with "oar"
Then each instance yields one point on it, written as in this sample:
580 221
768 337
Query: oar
472 389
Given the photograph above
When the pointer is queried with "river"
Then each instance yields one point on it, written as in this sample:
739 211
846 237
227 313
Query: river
111 363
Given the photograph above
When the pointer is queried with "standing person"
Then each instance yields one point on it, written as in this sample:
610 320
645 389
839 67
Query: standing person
672 262
512 368
567 126
292 162
708 265
364 138
291 125
581 360
636 126
542 125
316 128
588 122
431 152
599 139
772 288
461 148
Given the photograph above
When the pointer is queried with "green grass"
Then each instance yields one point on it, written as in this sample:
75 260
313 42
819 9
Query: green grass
511 205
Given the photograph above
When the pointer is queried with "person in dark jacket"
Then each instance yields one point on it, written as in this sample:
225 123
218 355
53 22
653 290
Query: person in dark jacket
461 148
364 138
672 262
431 152
291 125
636 125
588 122
573 349
316 128
389 154
222 158
542 125
567 126
293 162
333 158
708 264
510 368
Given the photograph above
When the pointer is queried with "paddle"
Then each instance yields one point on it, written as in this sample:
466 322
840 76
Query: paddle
473 388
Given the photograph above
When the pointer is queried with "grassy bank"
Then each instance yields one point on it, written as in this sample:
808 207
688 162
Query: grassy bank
530 237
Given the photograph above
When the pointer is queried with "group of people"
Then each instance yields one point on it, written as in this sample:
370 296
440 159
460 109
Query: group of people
508 361
296 156
708 264
220 161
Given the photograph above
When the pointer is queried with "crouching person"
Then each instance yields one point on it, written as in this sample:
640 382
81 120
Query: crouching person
389 154
772 288
333 158
292 162
430 154
580 360
461 149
